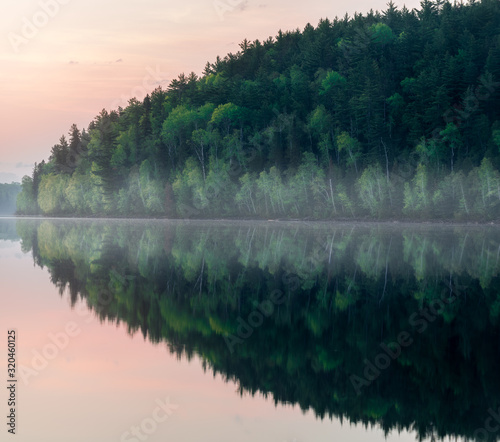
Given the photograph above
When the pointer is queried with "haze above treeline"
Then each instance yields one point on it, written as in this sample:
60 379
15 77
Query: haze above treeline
393 114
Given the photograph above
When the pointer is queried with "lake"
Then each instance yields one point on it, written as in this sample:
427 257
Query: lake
133 330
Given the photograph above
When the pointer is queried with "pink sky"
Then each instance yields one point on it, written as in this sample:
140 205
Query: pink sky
90 55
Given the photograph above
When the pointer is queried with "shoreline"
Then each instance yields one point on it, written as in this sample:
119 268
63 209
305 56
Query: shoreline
441 222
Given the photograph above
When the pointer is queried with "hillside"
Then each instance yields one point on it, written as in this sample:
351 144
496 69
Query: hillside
392 114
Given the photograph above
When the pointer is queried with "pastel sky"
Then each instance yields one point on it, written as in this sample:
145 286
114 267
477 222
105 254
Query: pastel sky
62 61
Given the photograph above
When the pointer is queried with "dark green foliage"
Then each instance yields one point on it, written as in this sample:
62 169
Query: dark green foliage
367 96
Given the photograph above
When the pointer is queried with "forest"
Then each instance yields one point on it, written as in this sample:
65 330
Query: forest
346 289
8 198
387 115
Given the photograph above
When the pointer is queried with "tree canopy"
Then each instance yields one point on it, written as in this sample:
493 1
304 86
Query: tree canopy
411 95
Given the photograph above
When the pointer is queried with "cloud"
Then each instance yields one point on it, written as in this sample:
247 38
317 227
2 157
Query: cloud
23 165
242 5
102 63
73 62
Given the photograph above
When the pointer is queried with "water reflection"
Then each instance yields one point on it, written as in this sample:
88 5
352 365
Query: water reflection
8 229
303 313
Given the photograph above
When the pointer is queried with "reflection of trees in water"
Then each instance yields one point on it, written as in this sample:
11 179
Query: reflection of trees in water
8 230
187 285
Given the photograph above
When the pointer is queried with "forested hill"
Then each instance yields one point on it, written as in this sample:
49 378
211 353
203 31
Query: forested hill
384 115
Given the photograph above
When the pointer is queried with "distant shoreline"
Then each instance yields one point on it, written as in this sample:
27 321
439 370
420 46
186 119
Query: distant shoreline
358 221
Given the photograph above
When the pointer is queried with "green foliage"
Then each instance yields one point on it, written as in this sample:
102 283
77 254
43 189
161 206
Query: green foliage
350 147
416 195
485 189
26 202
245 197
8 197
333 80
189 190
385 88
52 194
452 196
382 34
373 190
272 190
227 116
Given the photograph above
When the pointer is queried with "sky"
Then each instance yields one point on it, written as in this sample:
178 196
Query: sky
63 61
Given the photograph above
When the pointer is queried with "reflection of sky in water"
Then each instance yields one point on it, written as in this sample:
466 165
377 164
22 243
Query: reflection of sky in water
104 381
10 250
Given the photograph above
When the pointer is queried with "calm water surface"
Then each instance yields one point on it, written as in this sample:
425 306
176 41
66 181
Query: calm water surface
221 331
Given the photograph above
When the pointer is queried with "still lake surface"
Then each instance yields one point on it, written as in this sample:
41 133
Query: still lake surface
252 331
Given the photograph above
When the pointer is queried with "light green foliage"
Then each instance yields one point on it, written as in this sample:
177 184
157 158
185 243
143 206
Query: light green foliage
452 138
333 80
219 188
272 190
346 203
451 197
150 189
485 188
119 157
305 182
52 194
26 201
204 114
176 128
416 195
189 189
79 193
130 198
373 190
430 151
245 197
227 116
350 147
382 34
320 124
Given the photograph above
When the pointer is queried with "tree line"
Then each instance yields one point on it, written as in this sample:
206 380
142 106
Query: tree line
8 198
391 114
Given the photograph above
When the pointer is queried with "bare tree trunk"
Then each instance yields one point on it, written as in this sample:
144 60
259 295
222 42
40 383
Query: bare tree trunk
331 194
